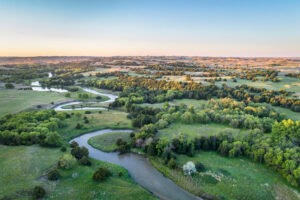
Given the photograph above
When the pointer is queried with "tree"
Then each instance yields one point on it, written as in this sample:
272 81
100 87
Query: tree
53 139
199 166
38 192
172 163
9 86
53 175
79 152
67 161
101 174
85 161
189 168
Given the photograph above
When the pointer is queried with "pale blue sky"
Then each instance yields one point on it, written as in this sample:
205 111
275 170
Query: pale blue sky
107 28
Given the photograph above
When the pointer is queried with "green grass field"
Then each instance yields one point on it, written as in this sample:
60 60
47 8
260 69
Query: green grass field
13 101
107 142
231 178
106 119
189 102
193 130
24 167
288 83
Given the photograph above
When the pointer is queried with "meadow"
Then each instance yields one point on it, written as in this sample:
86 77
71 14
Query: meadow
194 130
23 167
13 101
112 119
230 178
107 142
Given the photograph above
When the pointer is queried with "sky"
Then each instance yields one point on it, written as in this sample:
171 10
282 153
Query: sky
247 28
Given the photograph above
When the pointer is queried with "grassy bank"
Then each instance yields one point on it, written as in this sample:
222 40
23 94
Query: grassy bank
106 119
230 178
13 101
107 142
24 167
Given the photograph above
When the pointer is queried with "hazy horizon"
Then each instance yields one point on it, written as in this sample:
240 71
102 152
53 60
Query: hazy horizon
141 28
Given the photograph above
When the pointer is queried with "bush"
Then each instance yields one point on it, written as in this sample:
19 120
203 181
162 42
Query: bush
120 174
53 175
199 167
78 126
38 192
63 149
9 86
85 161
132 135
101 174
98 97
172 163
67 161
189 168
87 112
78 152
74 144
86 121
53 139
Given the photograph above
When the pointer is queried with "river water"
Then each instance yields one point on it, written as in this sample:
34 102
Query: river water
139 168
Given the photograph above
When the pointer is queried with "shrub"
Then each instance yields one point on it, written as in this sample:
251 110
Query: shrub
87 112
78 152
132 135
85 161
172 163
63 149
86 121
99 111
200 167
101 174
78 126
53 175
67 161
74 144
9 86
119 142
189 168
53 139
98 97
120 174
38 192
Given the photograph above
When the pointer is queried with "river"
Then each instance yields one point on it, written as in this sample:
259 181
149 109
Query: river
139 168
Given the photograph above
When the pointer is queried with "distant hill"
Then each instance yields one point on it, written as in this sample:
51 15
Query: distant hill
41 59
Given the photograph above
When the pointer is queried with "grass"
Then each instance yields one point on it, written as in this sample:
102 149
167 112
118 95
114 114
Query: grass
77 183
189 102
98 105
288 83
193 130
106 119
24 167
21 166
107 142
13 101
230 178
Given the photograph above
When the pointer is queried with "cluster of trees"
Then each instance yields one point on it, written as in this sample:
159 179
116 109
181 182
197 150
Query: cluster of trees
294 75
275 149
150 90
267 75
19 75
29 128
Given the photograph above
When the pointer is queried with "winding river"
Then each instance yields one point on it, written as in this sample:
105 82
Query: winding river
138 166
